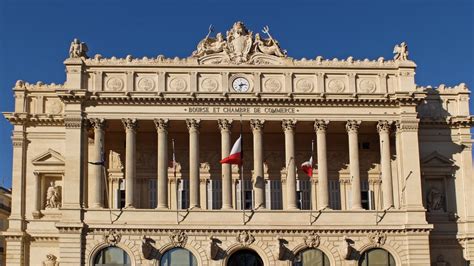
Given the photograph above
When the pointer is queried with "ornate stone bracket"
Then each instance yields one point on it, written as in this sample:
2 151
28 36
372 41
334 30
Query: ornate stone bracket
345 249
214 248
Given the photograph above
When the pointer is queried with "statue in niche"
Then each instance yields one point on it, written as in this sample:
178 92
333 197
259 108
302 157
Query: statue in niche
210 45
435 200
401 52
268 46
53 197
78 49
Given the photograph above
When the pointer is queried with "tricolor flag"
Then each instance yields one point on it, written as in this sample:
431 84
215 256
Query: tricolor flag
235 156
307 167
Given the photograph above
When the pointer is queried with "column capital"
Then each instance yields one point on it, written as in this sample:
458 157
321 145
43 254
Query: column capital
224 124
130 123
288 124
193 124
97 123
161 124
257 124
320 125
383 126
352 126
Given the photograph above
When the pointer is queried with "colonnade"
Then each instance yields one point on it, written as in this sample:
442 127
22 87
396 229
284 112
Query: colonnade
257 126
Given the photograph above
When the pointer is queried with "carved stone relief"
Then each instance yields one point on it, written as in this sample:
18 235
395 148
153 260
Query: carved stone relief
245 238
178 238
312 240
114 84
304 85
272 85
51 260
336 86
367 86
112 237
54 106
53 196
146 84
377 238
177 84
209 84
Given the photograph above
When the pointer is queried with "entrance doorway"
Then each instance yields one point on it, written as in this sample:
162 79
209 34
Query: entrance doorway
245 257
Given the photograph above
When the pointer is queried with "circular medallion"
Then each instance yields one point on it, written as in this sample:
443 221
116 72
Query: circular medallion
367 86
304 85
115 84
178 84
209 84
273 85
336 85
54 107
146 84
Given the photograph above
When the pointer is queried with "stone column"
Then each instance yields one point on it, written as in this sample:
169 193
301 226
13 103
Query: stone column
258 179
383 127
36 196
225 126
323 193
193 127
97 174
130 158
288 126
162 182
352 128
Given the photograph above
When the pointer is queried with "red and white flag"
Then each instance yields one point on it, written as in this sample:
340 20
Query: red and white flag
235 156
307 167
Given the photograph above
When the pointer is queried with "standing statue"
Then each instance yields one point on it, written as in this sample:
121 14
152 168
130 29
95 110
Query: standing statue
401 52
210 45
53 197
269 46
78 49
434 200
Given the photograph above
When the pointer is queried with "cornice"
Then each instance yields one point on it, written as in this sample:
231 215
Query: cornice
36 119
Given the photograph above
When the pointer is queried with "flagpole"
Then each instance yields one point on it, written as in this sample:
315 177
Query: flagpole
176 182
311 177
242 192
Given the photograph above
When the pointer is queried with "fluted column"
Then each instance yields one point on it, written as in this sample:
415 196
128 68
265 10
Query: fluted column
352 128
289 127
97 174
130 125
323 189
162 182
193 127
383 127
258 179
225 126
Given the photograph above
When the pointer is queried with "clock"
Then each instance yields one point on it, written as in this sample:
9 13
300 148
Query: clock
240 84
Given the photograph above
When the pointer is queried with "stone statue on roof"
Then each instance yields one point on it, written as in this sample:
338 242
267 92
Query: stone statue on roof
210 45
401 52
268 46
78 49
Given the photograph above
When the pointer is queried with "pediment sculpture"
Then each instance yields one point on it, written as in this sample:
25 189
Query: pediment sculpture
238 47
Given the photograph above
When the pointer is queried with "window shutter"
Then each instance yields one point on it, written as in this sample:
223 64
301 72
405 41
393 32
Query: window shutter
334 194
238 195
210 194
268 194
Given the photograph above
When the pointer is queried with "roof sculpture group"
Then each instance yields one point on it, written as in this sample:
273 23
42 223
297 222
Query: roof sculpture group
239 46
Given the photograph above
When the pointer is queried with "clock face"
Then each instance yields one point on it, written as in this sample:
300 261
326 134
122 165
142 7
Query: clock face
241 85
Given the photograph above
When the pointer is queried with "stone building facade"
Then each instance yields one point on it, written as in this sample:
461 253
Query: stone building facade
122 161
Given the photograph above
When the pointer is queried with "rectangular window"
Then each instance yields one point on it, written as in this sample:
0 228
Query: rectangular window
367 196
152 196
273 195
248 195
119 201
214 192
334 194
183 194
303 194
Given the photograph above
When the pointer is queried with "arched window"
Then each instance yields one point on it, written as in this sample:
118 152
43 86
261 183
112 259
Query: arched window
245 257
311 257
376 257
112 256
178 257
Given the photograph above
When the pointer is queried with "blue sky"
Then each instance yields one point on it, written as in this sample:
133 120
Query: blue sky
35 35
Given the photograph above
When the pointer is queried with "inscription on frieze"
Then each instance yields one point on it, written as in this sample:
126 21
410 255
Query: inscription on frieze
242 110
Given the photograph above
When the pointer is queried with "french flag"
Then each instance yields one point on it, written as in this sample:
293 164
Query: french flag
235 156
307 167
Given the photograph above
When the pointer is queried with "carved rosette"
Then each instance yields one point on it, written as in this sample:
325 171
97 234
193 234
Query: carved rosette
312 240
320 126
257 124
178 238
97 123
288 124
130 124
383 126
245 238
193 124
352 126
377 238
161 124
225 124
112 238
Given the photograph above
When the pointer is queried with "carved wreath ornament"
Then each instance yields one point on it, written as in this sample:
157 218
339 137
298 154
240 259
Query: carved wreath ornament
112 238
377 238
312 240
245 238
178 238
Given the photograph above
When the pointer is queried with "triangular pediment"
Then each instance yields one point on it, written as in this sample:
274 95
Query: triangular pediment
436 159
50 157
